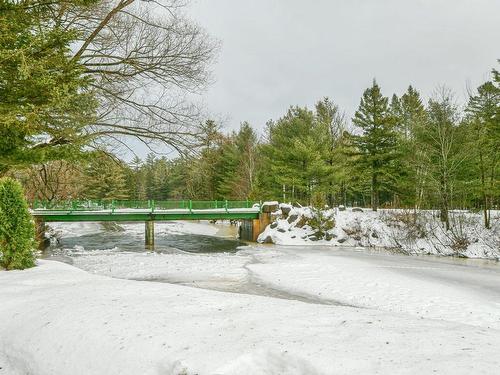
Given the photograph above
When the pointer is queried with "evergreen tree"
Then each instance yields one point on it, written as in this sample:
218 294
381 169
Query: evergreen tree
135 180
484 112
410 115
376 144
240 164
105 178
203 171
332 121
297 155
17 232
161 179
46 103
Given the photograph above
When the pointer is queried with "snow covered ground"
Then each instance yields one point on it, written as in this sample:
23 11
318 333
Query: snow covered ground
357 312
400 230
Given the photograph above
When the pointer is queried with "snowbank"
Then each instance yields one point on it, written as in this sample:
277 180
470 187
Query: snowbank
56 319
393 229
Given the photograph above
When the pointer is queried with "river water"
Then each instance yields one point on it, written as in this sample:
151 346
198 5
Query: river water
219 243
124 240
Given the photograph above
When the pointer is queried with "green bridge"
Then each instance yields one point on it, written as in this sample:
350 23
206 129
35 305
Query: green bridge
254 216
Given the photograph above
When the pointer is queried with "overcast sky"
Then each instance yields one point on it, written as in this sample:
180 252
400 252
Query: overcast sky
289 52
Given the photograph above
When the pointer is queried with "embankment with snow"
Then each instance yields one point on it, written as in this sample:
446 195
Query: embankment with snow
404 231
56 319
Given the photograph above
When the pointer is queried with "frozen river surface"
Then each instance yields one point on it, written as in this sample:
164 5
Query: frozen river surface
455 289
206 305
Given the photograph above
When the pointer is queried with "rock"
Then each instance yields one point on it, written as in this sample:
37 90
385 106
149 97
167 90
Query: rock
302 222
313 238
269 207
294 236
285 210
357 209
357 238
268 239
274 225
341 208
330 236
374 234
292 218
281 230
342 240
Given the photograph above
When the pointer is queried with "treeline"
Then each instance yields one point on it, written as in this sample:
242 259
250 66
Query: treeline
397 152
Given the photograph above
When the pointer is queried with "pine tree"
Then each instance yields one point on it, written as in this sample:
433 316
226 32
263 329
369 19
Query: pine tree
239 164
17 231
135 179
484 112
409 113
105 178
297 156
46 104
332 120
376 144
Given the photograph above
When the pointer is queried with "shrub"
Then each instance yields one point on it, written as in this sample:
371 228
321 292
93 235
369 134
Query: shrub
17 230
321 223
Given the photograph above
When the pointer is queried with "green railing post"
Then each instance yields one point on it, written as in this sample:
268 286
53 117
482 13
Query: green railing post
152 205
190 206
112 206
225 205
247 204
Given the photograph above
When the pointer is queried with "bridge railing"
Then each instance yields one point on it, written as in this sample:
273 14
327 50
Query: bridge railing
116 204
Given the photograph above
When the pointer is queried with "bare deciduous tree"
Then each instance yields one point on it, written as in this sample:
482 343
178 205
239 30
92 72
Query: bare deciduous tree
145 58
52 181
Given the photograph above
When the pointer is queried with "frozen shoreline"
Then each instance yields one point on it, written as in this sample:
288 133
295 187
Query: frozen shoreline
416 315
57 319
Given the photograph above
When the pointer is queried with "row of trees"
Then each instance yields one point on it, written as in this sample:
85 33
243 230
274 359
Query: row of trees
81 75
79 78
400 152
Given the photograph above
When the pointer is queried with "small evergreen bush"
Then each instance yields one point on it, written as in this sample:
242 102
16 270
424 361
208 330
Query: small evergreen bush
17 230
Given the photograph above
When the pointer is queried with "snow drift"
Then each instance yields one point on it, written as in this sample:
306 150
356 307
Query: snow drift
405 231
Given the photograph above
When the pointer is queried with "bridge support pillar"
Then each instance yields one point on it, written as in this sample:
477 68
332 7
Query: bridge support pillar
40 233
150 234
251 229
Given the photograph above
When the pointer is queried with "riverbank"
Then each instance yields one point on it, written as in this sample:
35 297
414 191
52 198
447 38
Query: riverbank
275 310
405 231
56 319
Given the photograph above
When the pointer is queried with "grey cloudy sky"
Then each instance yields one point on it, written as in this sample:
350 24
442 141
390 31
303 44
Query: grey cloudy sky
280 53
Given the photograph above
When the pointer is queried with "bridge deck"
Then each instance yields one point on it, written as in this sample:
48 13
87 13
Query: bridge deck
139 214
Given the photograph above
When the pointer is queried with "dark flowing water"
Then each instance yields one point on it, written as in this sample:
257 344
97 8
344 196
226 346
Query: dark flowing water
120 240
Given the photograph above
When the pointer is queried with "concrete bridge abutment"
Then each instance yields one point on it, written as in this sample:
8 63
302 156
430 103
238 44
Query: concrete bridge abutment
250 229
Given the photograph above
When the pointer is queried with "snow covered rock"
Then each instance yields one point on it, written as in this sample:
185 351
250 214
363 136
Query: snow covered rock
401 230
